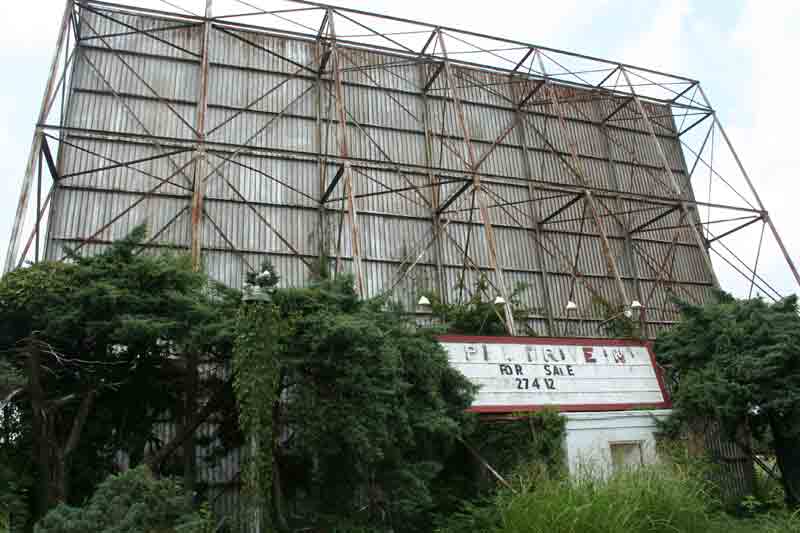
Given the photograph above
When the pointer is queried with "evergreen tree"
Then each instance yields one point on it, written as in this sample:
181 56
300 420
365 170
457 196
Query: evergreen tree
133 502
739 361
101 343
370 410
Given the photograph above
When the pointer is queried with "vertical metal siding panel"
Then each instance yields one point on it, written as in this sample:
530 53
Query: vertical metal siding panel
385 236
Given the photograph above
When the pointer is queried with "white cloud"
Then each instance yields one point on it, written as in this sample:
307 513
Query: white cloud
29 27
764 131
661 45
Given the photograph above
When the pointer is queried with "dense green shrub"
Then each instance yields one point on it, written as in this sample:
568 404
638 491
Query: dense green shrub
530 440
373 410
133 502
738 362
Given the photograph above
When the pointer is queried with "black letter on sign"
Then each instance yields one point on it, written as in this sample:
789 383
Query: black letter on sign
550 383
518 369
570 370
505 370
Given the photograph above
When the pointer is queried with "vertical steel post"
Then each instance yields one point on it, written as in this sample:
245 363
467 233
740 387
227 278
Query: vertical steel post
491 244
197 214
435 188
201 164
344 152
534 210
38 208
630 259
765 214
322 250
322 56
36 143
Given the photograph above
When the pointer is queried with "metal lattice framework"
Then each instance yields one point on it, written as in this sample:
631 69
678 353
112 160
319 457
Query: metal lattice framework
416 157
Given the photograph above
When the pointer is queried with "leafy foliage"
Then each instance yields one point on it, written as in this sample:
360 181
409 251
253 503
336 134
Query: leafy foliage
372 408
478 314
530 440
739 362
100 343
259 342
617 324
133 502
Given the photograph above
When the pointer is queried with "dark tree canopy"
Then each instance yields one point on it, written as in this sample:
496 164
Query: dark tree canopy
96 347
739 361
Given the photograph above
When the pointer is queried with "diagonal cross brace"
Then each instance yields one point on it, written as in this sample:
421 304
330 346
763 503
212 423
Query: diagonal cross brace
560 210
332 185
447 203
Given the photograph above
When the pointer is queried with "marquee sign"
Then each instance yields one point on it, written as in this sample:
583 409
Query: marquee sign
527 373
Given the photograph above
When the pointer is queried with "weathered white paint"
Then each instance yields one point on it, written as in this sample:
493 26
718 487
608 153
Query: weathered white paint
577 375
589 437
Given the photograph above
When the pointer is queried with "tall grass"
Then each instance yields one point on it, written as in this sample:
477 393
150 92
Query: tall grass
652 499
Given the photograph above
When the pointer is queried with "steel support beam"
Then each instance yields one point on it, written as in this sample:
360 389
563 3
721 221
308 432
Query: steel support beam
36 143
701 245
624 225
534 211
734 230
572 201
611 261
577 168
332 185
323 54
201 165
432 78
435 190
530 94
476 181
655 219
344 152
773 229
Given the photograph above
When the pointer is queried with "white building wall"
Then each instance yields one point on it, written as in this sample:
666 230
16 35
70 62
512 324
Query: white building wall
590 437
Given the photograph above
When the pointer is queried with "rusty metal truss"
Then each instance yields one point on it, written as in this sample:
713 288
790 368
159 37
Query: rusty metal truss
416 157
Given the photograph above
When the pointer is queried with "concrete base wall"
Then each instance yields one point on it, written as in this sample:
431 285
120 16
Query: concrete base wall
597 443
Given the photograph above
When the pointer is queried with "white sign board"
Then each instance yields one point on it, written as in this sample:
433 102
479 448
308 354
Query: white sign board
519 374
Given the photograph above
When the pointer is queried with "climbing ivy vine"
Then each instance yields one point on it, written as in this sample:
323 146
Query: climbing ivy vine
259 341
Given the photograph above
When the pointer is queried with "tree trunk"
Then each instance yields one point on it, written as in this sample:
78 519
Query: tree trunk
189 408
62 455
59 480
278 504
155 460
277 497
41 451
787 452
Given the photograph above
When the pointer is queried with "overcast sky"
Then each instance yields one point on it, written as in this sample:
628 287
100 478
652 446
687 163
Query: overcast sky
743 52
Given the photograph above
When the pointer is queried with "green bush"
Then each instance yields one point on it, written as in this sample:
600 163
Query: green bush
133 502
652 499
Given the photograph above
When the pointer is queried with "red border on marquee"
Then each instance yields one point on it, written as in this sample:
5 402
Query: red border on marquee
561 341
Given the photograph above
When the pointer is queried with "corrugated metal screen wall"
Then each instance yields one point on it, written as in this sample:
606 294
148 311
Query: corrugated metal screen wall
134 96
